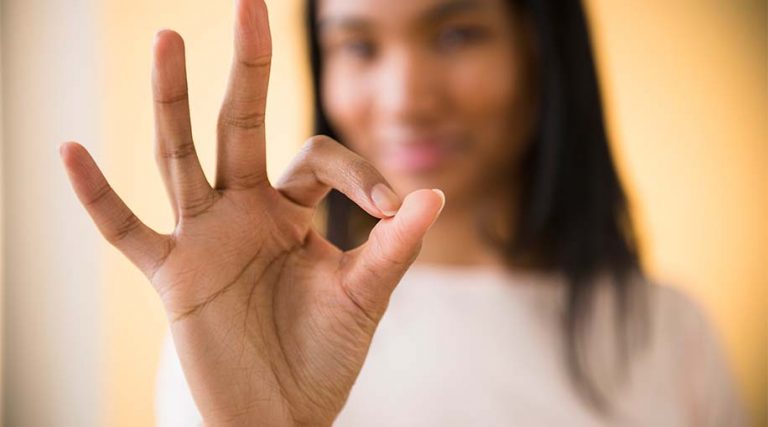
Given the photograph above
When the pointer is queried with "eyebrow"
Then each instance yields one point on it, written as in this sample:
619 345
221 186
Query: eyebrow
440 11
450 8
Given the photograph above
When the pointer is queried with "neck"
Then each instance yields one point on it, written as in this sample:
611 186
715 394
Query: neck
455 239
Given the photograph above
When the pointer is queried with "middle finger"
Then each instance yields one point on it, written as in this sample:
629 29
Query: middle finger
241 134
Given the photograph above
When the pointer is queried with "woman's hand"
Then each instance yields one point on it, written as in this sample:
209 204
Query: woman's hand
272 323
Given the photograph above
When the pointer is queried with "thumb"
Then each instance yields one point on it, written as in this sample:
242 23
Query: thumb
374 269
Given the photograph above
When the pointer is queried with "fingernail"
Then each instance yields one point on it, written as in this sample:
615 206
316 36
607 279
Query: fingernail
385 199
442 205
442 197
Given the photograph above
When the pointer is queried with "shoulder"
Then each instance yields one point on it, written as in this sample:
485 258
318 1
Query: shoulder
677 323
673 303
676 314
683 332
663 321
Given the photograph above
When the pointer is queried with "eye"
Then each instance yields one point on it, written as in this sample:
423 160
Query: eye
361 49
456 37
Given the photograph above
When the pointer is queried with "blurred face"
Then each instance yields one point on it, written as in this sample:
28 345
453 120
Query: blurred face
436 93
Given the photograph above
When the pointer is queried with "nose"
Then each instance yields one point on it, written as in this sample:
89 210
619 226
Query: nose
409 88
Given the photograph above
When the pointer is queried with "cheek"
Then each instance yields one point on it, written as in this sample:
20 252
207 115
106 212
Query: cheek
484 91
347 108
494 102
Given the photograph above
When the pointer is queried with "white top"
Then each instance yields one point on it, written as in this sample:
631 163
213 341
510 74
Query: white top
479 347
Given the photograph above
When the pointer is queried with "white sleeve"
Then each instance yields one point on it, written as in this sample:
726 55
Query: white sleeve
174 406
708 383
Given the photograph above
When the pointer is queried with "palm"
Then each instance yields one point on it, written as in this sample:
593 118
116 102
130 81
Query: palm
234 240
269 289
271 322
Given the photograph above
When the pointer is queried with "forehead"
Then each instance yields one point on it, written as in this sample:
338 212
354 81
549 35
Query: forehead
400 11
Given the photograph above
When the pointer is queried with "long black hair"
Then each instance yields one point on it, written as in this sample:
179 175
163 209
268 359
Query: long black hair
573 215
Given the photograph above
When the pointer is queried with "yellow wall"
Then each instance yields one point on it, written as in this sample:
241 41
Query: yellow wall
686 86
687 83
2 240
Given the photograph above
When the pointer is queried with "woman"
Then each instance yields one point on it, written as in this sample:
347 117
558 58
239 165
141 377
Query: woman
526 304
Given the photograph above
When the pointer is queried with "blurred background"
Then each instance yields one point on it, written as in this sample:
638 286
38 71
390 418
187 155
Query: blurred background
686 88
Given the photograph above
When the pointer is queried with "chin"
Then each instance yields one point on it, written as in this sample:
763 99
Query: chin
406 183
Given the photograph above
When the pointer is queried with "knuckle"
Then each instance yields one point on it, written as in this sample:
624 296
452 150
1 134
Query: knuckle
123 228
392 262
258 63
177 152
314 155
173 99
318 143
362 172
101 194
399 238
361 166
334 164
245 119
247 180
196 207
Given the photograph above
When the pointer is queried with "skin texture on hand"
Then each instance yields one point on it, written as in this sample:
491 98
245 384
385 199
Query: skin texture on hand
271 322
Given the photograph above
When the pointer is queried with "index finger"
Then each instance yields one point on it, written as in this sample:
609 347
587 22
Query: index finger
241 134
117 223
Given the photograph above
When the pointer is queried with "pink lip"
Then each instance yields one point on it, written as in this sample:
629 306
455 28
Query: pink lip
415 157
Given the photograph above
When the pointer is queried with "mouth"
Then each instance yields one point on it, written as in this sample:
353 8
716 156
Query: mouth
417 156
